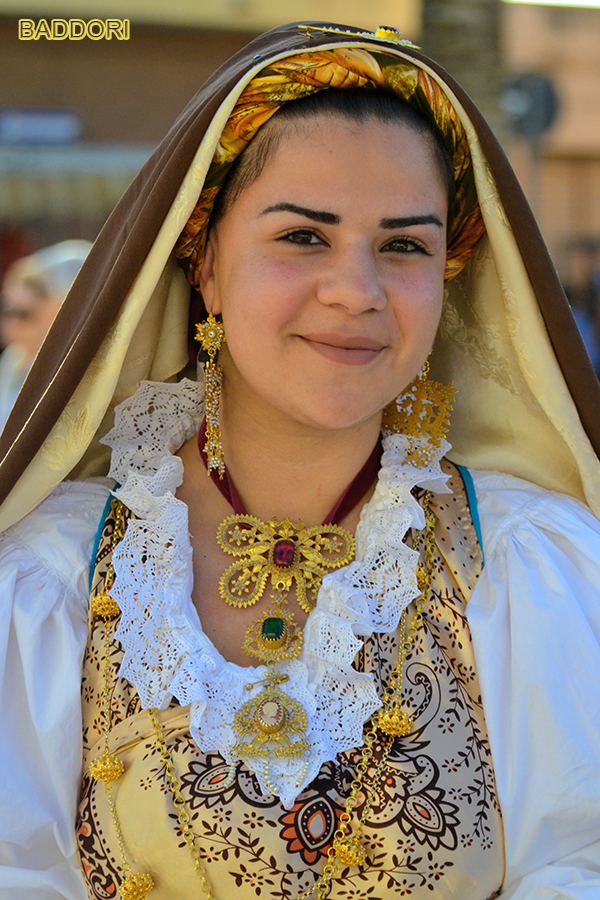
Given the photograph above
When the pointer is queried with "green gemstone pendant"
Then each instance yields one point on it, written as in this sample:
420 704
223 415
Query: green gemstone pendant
273 632
275 636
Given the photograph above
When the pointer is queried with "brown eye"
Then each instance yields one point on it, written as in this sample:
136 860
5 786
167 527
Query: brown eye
405 246
302 236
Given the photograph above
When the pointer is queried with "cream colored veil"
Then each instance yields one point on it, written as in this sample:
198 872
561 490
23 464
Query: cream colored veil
527 400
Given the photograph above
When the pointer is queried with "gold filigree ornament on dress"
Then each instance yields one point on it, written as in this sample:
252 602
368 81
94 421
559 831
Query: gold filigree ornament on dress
350 851
271 723
105 606
135 886
106 767
286 553
395 723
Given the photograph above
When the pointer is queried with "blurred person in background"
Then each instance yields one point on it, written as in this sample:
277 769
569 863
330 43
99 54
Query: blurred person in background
33 291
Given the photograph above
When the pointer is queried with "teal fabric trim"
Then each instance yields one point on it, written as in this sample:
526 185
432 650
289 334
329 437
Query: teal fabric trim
472 498
99 535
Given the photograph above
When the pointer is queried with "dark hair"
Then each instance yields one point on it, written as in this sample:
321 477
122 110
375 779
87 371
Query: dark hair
355 105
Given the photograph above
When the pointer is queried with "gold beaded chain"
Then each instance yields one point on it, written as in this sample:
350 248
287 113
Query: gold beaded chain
183 817
107 767
391 720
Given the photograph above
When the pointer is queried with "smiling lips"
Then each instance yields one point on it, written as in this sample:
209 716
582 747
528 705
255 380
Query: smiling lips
352 350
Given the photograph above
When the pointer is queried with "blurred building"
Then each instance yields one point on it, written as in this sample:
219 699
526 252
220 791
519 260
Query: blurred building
60 177
564 44
121 97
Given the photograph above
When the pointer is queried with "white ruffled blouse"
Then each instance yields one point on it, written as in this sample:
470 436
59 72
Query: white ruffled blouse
167 653
534 619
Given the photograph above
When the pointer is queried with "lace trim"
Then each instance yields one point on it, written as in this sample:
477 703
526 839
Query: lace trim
167 654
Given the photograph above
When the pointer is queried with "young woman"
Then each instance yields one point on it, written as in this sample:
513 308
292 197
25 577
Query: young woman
322 653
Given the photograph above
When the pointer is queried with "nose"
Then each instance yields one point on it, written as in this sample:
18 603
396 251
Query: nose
351 280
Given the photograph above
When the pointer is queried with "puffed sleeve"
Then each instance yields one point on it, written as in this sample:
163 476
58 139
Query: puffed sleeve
535 620
44 570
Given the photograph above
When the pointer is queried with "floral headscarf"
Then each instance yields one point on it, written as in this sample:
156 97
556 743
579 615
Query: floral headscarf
301 75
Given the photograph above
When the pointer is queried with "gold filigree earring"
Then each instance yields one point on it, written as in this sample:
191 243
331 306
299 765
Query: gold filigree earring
422 413
211 336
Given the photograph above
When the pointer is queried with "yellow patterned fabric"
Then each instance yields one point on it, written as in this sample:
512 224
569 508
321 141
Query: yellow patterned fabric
305 73
434 828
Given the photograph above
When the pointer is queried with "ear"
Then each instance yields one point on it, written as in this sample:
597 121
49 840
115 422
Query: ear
207 277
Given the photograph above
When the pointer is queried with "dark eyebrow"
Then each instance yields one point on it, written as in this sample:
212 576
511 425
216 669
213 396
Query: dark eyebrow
325 218
405 222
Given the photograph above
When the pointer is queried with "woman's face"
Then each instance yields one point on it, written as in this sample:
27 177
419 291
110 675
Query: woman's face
25 317
328 271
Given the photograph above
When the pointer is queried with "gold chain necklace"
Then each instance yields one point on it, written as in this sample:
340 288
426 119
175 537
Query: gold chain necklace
391 721
292 556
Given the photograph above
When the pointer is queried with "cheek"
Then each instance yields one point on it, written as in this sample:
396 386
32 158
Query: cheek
258 310
251 331
434 309
418 308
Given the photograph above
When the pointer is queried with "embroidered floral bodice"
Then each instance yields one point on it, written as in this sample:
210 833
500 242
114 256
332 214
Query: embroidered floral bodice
167 653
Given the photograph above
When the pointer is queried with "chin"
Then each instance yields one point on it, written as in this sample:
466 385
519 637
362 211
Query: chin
339 416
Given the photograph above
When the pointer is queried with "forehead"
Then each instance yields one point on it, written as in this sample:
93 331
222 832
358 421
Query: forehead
331 156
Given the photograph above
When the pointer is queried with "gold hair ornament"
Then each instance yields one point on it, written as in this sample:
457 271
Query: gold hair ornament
211 336
382 33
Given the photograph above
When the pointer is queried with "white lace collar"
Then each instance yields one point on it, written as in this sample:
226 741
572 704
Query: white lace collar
166 652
